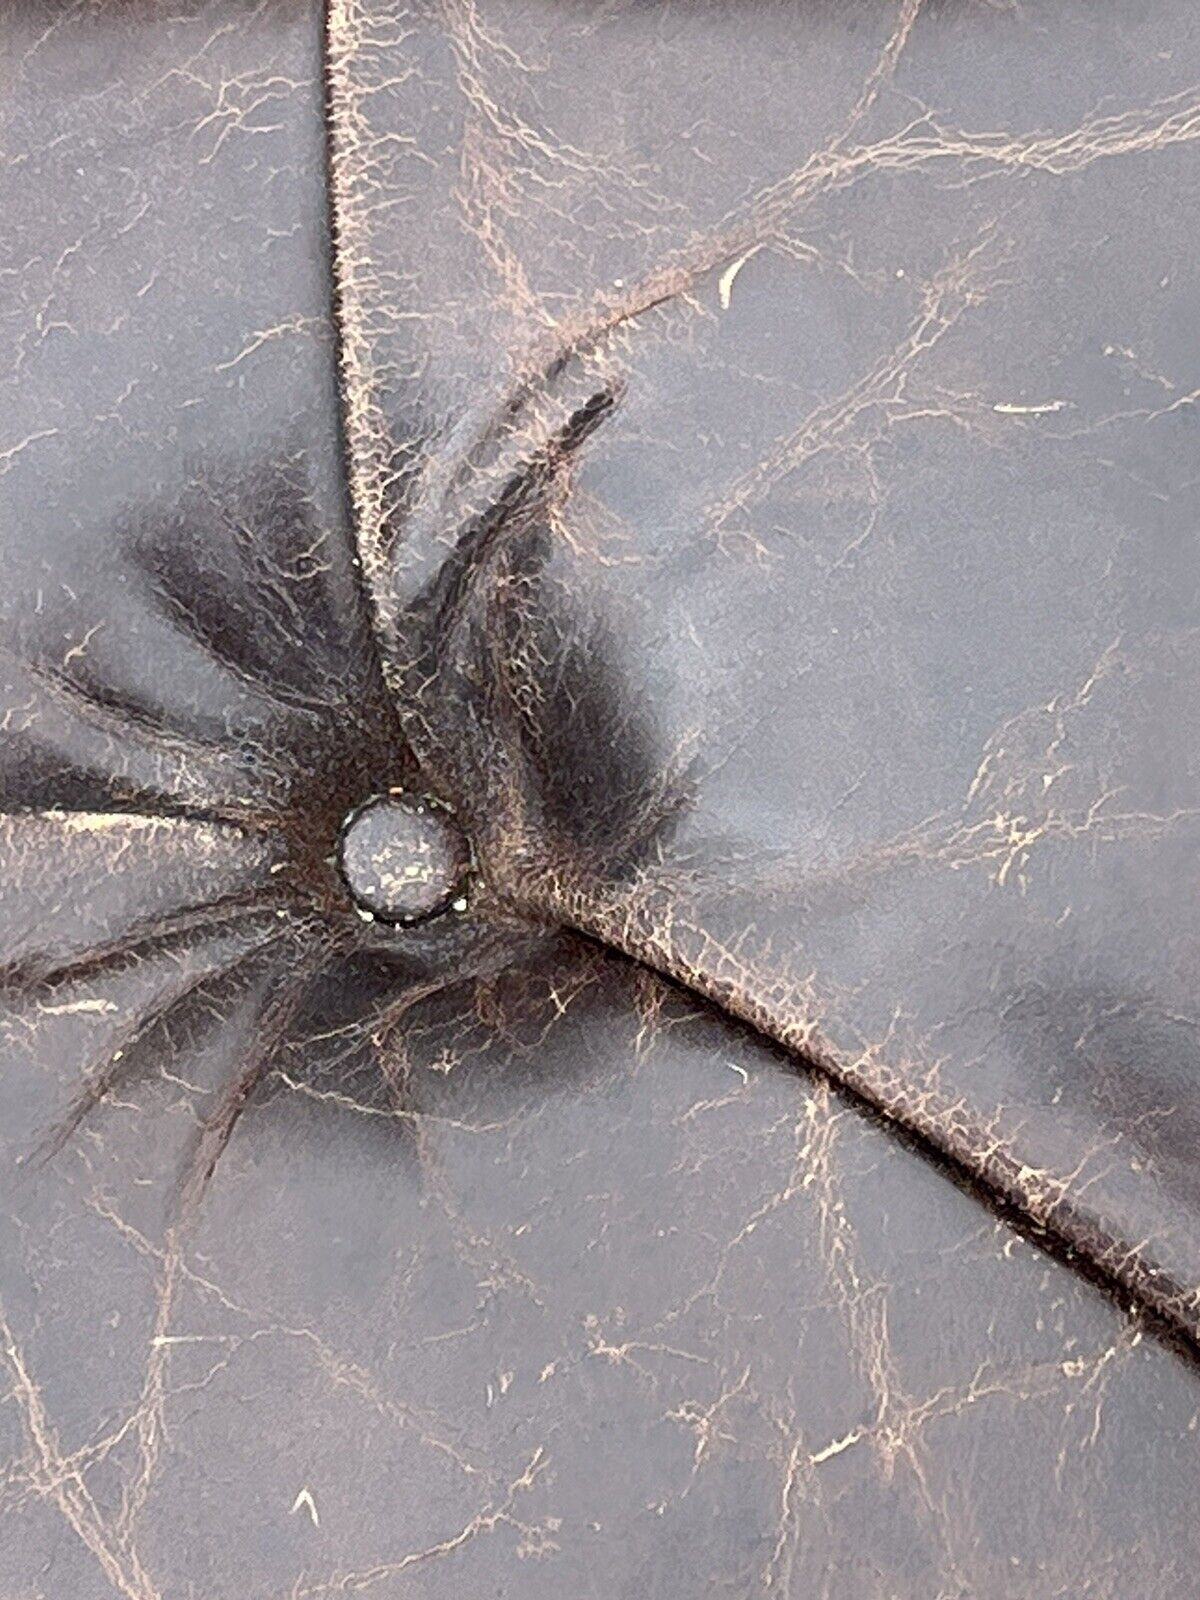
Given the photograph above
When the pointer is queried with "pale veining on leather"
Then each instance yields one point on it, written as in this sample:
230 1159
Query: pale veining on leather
767 439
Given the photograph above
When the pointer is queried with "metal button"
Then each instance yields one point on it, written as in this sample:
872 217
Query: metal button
404 858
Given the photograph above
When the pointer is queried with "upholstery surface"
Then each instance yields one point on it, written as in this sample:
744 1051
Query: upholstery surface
836 648
741 459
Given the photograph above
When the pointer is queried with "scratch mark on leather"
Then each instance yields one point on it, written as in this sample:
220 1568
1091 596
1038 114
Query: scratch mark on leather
533 1539
55 1479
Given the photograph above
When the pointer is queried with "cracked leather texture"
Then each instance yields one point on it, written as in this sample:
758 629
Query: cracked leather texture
741 459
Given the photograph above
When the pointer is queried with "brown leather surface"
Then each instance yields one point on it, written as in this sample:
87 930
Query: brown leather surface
768 444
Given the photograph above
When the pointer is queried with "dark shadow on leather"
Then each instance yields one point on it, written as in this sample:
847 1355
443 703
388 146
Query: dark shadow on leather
602 790
166 1032
1113 1030
231 639
249 573
463 1053
513 697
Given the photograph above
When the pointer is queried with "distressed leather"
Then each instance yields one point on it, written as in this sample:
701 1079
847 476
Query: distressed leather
739 458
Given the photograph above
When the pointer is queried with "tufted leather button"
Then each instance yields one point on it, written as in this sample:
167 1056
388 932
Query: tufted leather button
403 859
740 456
